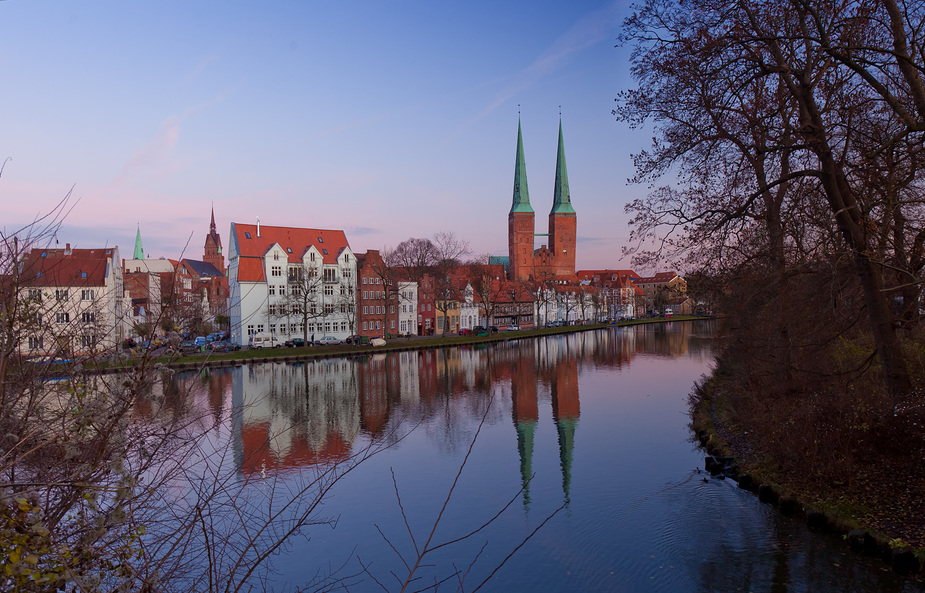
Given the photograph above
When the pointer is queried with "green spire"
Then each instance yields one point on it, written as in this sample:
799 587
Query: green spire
521 193
525 432
566 428
561 202
139 250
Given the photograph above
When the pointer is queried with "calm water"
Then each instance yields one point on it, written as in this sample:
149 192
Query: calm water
590 429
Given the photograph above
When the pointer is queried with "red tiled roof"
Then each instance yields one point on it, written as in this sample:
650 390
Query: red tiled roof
61 267
295 241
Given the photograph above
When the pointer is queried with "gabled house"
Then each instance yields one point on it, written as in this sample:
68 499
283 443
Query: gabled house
291 282
75 300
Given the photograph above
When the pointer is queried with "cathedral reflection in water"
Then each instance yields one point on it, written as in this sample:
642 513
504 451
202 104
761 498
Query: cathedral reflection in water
288 415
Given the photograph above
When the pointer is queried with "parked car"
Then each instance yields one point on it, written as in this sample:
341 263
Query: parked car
265 340
223 346
513 327
190 347
493 329
355 339
465 331
295 343
328 341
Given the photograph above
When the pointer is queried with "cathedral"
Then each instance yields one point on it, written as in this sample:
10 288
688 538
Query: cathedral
553 261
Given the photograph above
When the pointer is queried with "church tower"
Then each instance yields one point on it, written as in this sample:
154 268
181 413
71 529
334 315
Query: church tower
563 221
520 220
212 253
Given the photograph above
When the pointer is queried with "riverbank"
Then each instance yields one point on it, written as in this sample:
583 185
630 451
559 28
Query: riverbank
176 361
872 495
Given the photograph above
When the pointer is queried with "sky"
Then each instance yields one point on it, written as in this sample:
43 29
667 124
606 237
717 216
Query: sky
387 120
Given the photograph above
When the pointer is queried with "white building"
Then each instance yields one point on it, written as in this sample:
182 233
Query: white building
291 282
73 299
407 308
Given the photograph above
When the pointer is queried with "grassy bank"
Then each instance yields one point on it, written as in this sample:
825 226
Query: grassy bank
843 455
396 344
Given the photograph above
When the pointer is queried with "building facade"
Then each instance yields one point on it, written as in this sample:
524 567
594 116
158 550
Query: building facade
291 282
557 259
74 299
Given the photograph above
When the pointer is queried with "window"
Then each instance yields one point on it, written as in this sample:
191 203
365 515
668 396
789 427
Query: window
88 317
271 290
247 234
276 255
35 343
276 271
35 294
312 256
271 309
392 309
328 308
88 341
61 294
393 324
343 326
282 290
250 328
320 240
330 275
62 317
324 251
259 327
328 291
365 293
378 325
364 329
365 312
364 280
289 250
378 310
378 280
272 328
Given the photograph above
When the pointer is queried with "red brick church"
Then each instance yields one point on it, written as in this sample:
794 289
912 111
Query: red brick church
556 260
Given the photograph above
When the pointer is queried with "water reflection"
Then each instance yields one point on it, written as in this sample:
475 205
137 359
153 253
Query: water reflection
594 419
296 414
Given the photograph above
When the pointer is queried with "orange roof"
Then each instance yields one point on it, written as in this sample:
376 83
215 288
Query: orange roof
65 267
295 241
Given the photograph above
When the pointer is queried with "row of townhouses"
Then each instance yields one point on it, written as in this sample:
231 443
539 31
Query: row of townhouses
294 282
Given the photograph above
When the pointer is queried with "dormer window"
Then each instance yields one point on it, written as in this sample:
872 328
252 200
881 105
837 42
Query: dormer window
324 251
320 240
289 250
247 234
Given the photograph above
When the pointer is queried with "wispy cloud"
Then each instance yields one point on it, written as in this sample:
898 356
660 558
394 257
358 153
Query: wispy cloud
155 161
586 32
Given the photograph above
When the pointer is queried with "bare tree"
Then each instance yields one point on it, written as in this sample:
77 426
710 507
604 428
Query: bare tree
786 109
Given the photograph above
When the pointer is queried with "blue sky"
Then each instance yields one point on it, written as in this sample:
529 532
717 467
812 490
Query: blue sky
388 120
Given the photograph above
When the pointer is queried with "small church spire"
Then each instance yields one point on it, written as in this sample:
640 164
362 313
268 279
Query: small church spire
139 250
562 201
212 224
521 201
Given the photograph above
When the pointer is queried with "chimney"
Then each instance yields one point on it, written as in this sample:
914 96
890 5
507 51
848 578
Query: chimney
67 249
258 226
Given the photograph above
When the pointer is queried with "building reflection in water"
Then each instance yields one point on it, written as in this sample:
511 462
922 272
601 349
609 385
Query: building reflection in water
297 414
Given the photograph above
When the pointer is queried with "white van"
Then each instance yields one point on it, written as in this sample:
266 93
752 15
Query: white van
264 340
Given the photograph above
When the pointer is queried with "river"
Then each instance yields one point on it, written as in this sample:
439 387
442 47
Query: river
587 432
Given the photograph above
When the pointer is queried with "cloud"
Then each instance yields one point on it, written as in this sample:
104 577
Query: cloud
586 32
156 161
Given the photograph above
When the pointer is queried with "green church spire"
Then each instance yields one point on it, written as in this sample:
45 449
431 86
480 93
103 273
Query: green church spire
521 193
139 250
562 201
